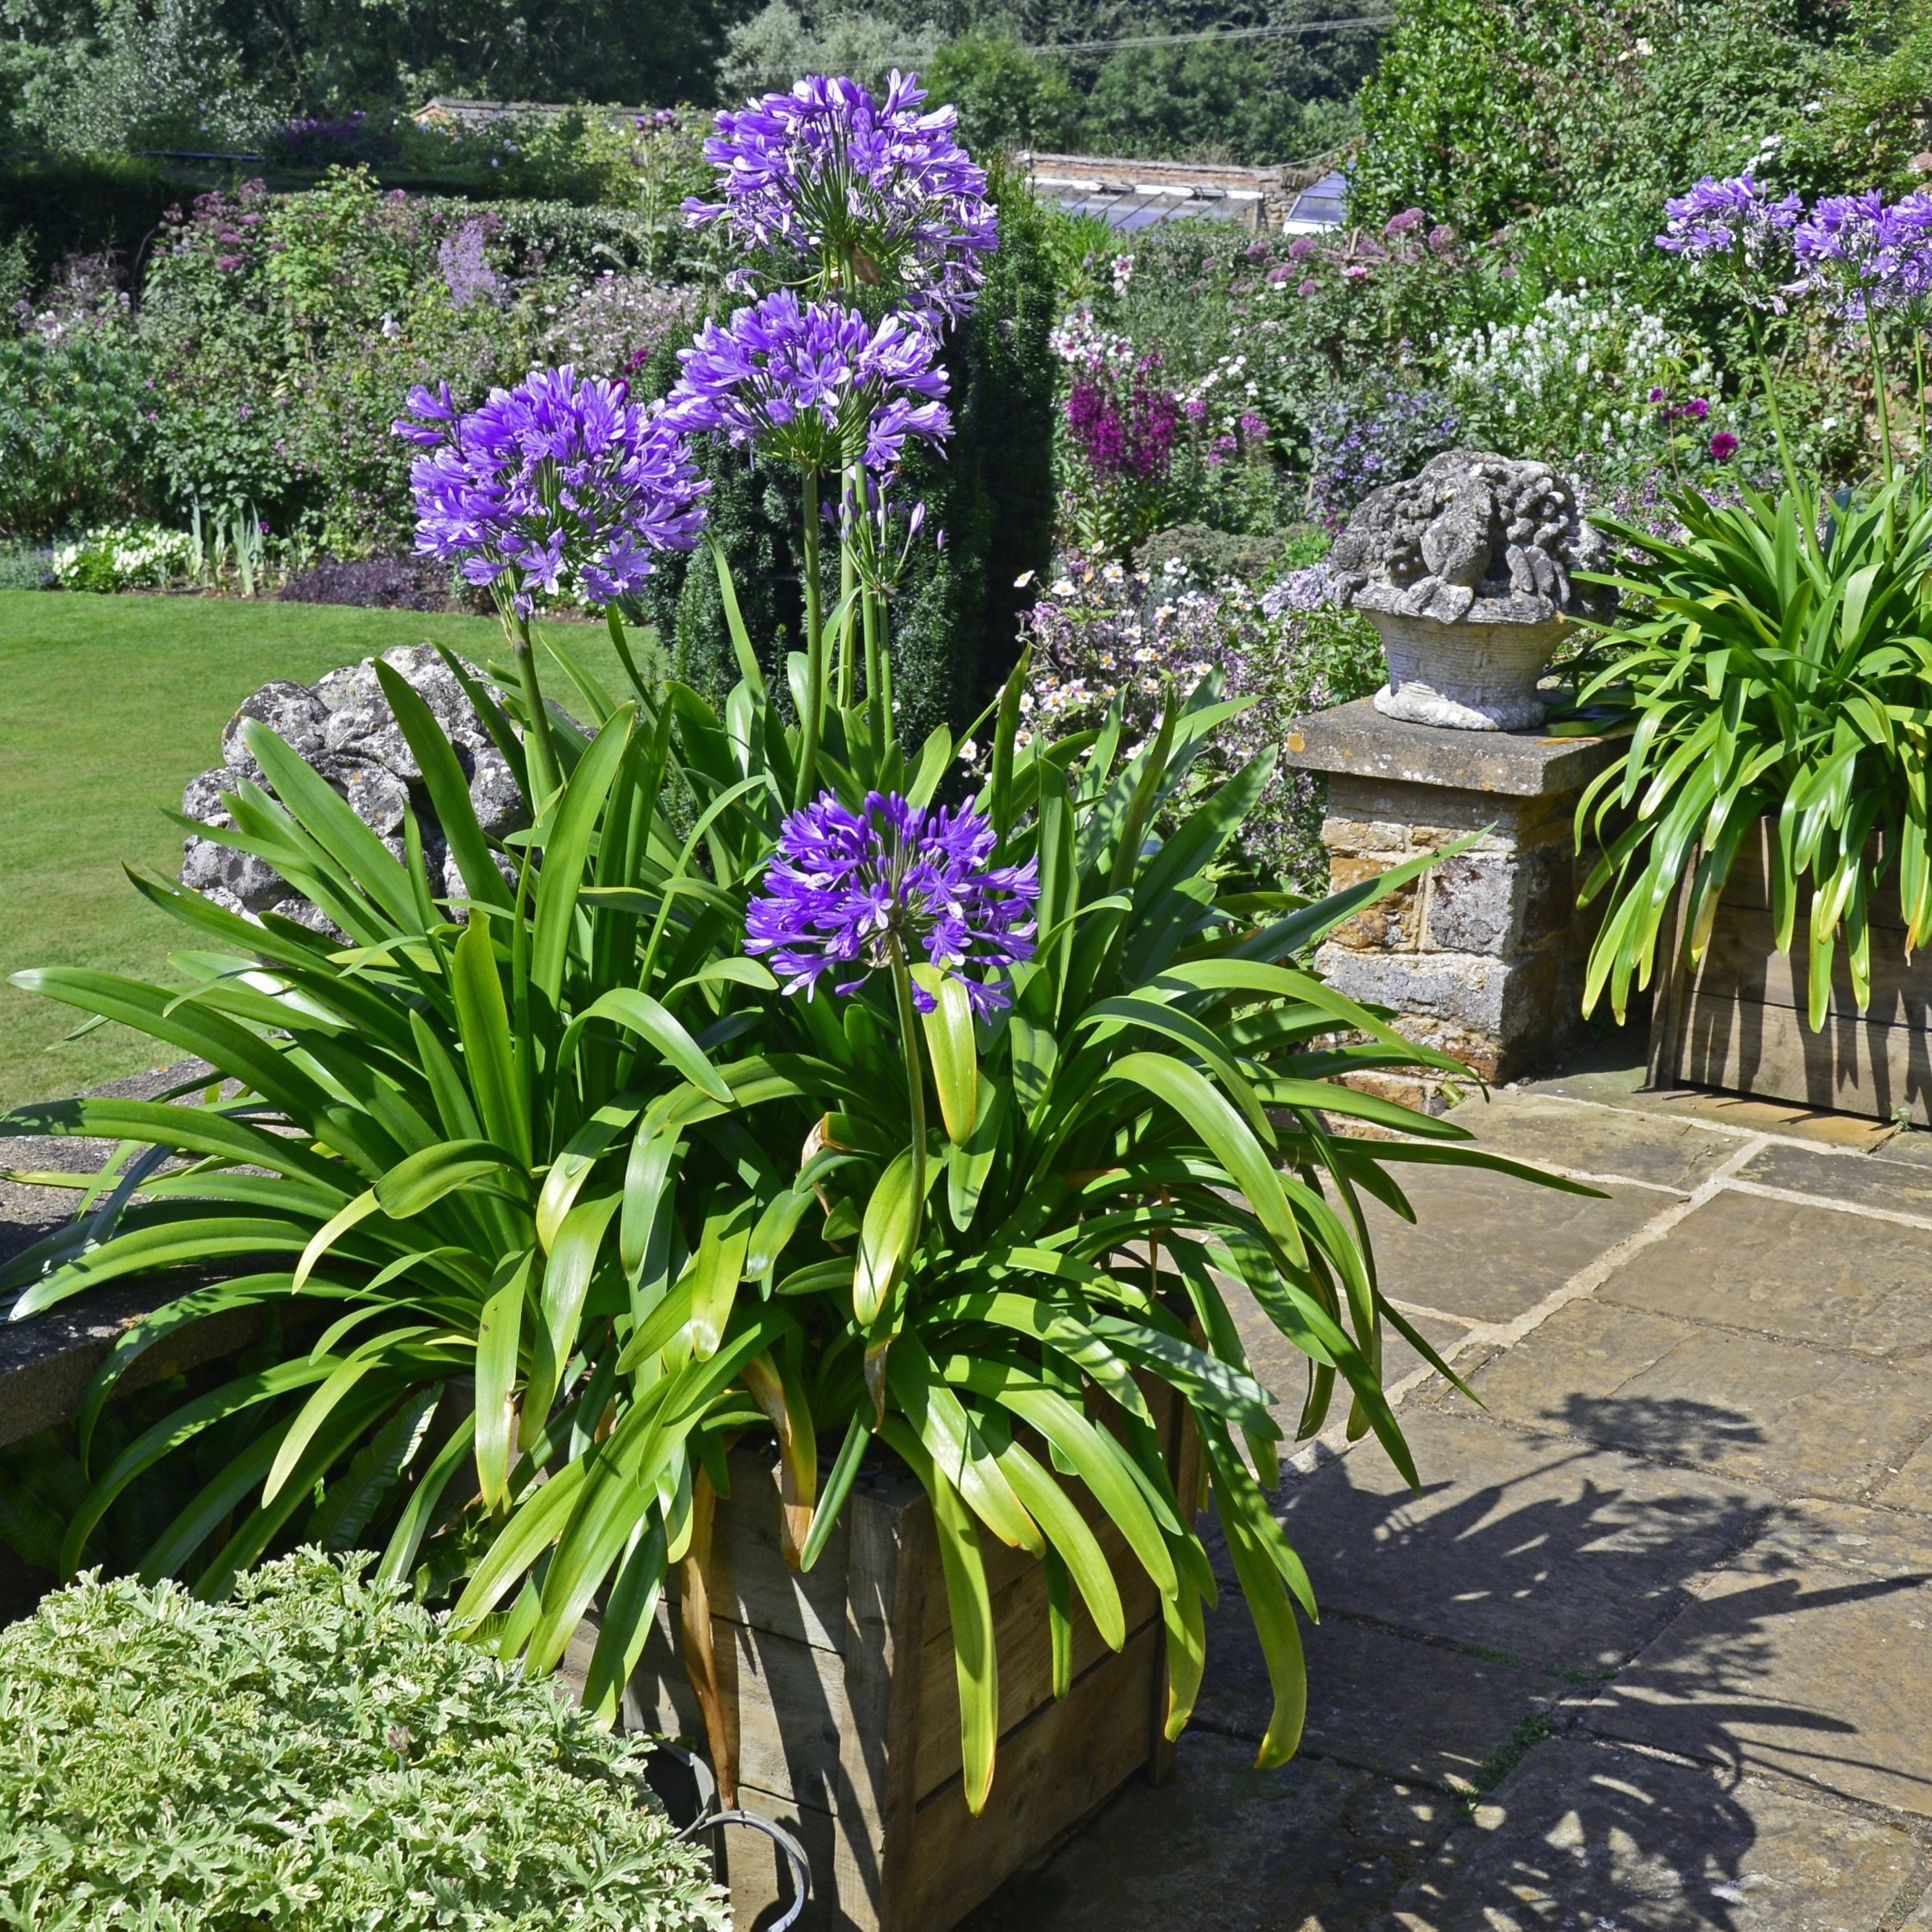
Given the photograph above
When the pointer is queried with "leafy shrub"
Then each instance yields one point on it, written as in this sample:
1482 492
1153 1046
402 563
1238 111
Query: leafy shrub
1205 557
1209 100
1006 96
370 583
122 556
614 326
75 429
774 45
316 1754
79 204
1588 372
1104 635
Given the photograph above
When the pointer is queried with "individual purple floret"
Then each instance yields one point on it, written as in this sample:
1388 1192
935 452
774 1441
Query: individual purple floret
840 188
556 481
1719 218
814 383
843 886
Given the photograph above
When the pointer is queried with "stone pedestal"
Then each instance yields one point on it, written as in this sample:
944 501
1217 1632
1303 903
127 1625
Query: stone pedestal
1484 955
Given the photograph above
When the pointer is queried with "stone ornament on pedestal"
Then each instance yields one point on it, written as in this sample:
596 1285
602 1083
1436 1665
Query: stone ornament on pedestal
1467 572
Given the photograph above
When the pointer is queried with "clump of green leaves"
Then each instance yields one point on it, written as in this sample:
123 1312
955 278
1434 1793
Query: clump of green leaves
1776 674
313 1754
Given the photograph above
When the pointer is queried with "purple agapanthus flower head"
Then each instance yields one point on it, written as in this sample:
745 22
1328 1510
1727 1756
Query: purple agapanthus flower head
814 383
848 888
1734 218
1898 268
560 482
835 187
1837 246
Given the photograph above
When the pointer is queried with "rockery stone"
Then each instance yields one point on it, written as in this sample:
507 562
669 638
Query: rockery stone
344 727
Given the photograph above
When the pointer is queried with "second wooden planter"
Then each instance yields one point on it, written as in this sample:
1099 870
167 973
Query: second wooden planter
842 1706
1738 1020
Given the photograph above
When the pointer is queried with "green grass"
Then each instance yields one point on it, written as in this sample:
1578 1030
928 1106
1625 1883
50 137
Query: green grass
108 707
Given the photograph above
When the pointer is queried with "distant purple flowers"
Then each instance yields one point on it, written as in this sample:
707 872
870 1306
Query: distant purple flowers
558 483
814 383
829 178
1725 217
1123 429
1723 446
466 271
1361 440
844 888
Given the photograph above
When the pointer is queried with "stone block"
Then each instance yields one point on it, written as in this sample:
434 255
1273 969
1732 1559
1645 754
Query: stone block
1534 1126
1393 924
1519 1009
1485 1247
1798 1273
1783 1417
1426 815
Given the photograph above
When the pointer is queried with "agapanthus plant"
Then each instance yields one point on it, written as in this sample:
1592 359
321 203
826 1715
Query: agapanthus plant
561 483
1734 219
834 189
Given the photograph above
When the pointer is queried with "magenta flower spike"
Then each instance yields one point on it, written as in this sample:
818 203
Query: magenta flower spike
814 383
847 888
558 484
837 187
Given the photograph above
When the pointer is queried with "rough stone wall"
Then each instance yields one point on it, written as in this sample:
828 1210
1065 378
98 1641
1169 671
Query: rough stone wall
343 726
1481 955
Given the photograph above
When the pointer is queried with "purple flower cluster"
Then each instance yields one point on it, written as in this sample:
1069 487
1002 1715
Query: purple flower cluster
1359 441
316 142
847 888
1729 217
466 271
814 383
1123 431
1865 255
557 478
852 188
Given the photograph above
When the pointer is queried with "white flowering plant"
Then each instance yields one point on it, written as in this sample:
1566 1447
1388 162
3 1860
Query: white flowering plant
122 556
1108 643
1590 374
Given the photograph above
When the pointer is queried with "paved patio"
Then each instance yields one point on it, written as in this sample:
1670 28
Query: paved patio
1652 1650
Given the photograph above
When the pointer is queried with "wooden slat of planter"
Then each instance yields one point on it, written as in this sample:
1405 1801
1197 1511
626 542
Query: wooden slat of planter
1738 1023
1741 963
1052 1771
1852 1066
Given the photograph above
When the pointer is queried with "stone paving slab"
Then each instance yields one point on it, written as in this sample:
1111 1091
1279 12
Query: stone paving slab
1895 1177
1910 1486
1552 1552
1810 1653
1531 1126
1802 1273
1585 1835
1486 1247
1420 1713
1780 1416
1222 1848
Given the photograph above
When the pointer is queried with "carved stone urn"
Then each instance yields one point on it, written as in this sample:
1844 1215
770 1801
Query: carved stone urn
1467 572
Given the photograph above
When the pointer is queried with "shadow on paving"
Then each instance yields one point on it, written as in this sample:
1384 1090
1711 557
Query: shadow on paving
1464 1624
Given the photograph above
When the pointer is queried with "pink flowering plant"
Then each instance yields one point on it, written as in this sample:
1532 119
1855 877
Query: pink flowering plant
781 1084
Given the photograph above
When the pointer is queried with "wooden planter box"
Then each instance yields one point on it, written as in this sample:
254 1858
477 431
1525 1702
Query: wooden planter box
840 1689
1739 1021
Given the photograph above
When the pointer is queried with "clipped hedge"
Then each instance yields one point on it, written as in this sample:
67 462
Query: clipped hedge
82 204
316 1755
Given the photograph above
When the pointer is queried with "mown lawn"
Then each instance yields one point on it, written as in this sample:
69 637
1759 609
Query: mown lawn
108 707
